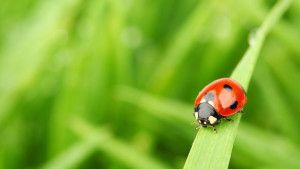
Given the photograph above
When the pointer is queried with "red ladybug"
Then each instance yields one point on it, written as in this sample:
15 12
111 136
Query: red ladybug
221 98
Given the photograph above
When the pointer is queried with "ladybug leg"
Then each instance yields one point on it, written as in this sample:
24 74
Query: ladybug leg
198 126
214 128
225 118
241 111
218 122
194 123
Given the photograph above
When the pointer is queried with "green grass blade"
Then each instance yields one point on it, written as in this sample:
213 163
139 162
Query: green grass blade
175 53
72 157
115 148
211 150
100 139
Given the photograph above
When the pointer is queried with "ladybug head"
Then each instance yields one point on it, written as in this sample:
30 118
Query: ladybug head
206 114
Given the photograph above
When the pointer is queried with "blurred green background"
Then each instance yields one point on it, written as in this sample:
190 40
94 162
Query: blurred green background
111 83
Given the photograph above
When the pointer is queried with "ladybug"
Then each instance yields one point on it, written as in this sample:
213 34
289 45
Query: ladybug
221 98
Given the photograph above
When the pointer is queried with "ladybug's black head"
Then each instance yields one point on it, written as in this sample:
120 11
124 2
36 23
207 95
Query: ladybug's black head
205 114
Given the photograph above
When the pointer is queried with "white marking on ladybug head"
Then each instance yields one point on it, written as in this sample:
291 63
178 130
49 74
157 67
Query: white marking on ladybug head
205 122
211 103
212 119
203 101
196 115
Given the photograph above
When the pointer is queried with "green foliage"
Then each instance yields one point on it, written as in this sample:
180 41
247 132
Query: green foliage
111 84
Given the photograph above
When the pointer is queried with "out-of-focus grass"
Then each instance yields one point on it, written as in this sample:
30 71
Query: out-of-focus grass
65 59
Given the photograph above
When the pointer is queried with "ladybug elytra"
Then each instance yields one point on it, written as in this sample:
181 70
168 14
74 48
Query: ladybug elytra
221 98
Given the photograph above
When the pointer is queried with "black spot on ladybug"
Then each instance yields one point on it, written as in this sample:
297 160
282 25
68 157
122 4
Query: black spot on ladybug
234 105
227 87
209 96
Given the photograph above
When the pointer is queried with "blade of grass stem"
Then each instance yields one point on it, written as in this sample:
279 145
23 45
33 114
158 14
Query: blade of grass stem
211 150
